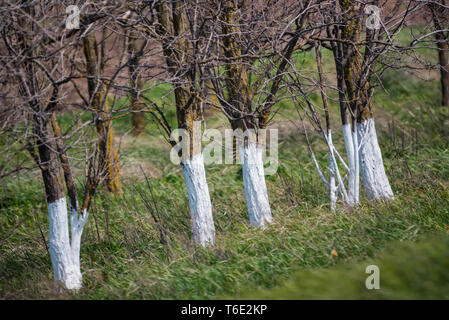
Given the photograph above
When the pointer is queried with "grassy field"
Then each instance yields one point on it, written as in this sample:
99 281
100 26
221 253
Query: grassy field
410 270
122 256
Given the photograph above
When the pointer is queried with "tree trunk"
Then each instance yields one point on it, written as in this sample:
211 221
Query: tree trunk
254 184
66 269
332 186
349 134
440 16
374 178
97 91
138 116
188 112
255 187
443 49
365 143
138 119
239 96
199 200
351 144
64 256
348 67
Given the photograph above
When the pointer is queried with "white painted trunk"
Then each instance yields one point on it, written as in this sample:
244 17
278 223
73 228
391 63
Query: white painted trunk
332 171
199 200
77 223
255 187
65 256
357 143
375 181
351 144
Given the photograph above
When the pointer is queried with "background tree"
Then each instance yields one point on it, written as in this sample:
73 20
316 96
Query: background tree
95 58
256 41
358 44
135 49
364 43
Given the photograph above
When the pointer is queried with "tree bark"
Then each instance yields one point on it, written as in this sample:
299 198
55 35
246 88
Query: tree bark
440 18
375 180
239 96
256 193
97 92
138 115
199 200
443 48
344 56
187 110
65 256
365 143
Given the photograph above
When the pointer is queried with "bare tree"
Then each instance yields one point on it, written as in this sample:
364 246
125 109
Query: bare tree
97 84
357 48
363 39
256 41
174 28
35 53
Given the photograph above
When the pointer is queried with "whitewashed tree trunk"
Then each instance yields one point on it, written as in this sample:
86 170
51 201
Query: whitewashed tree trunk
65 256
351 144
77 223
199 200
356 173
375 181
255 187
332 171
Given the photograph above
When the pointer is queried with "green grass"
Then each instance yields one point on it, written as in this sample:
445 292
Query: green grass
122 256
407 270
126 259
